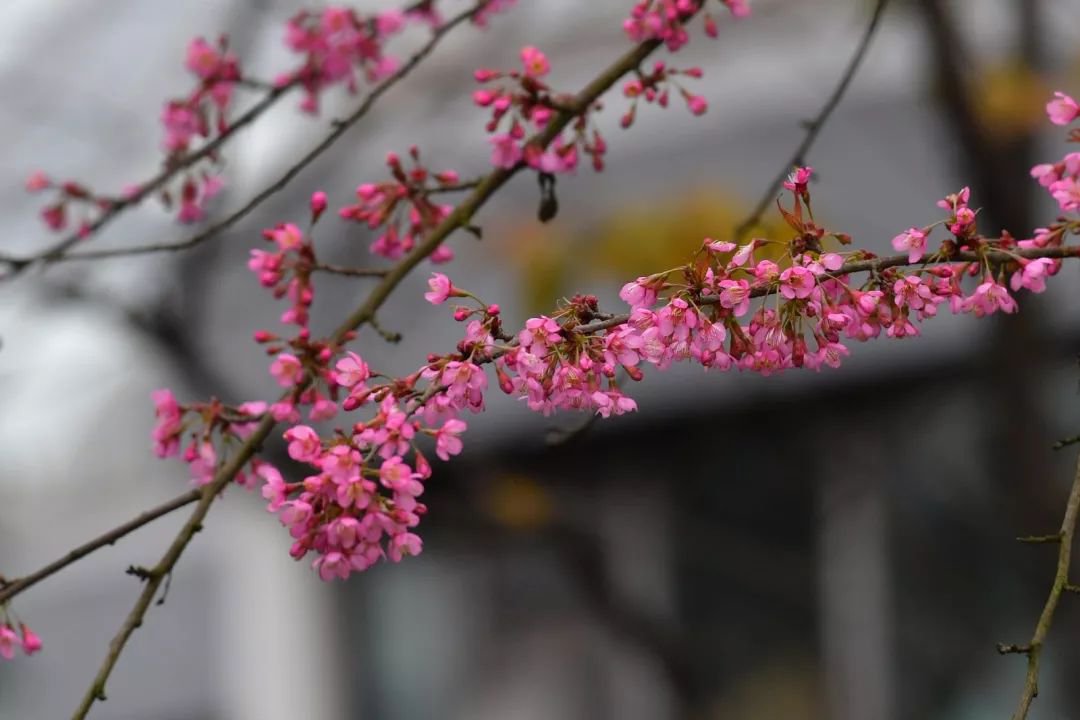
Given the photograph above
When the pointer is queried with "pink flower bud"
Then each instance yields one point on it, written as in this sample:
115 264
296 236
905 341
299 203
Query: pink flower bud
318 205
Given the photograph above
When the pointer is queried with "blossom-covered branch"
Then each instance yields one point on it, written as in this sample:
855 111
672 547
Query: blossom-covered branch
1033 649
333 44
299 374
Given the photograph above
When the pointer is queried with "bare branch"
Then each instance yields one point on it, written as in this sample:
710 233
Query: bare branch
814 127
1033 649
14 587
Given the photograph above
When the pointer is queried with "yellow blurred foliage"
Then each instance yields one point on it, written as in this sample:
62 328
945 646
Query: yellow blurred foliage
519 502
642 238
1010 98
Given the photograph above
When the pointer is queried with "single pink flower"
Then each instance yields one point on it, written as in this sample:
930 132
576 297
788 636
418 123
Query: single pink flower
441 289
535 62
304 444
798 179
37 181
913 242
287 370
351 370
447 442
1062 110
797 283
403 545
506 151
8 642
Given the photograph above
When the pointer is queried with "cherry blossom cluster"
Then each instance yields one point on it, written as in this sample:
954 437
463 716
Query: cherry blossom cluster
338 44
1062 179
287 270
402 207
360 504
68 195
200 433
809 308
522 102
666 20
653 88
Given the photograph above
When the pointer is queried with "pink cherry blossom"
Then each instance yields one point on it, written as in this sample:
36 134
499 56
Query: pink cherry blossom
31 643
913 242
8 642
287 370
535 62
798 179
304 443
447 442
441 289
506 151
1062 110
37 181
351 370
796 283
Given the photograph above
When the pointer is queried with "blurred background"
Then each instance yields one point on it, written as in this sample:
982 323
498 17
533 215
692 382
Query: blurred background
835 545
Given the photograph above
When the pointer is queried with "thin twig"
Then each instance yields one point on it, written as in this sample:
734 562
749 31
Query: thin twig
1066 442
18 585
814 127
1033 649
350 271
460 217
339 128
157 574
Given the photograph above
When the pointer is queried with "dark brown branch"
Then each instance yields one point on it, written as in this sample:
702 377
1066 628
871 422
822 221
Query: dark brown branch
815 126
18 585
1033 649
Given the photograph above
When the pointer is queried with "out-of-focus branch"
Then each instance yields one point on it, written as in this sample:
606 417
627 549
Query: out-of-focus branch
815 126
172 168
339 128
460 217
12 588
1034 648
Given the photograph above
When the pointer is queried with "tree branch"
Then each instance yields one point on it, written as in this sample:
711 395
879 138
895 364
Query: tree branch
14 587
872 265
815 126
1033 649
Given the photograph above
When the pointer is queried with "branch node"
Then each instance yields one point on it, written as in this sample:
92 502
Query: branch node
1066 442
144 574
165 591
1004 649
387 335
1040 539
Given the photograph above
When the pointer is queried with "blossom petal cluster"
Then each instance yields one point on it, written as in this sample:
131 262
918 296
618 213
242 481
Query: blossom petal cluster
521 105
402 209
